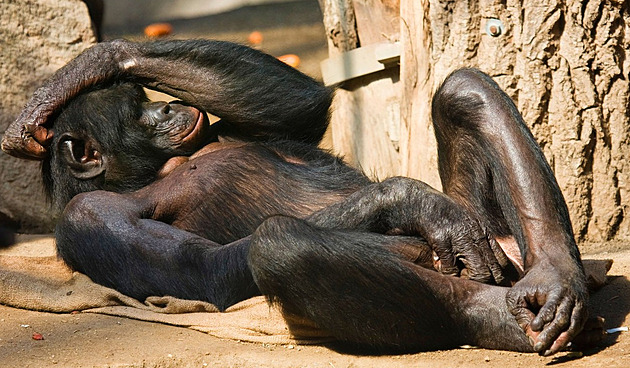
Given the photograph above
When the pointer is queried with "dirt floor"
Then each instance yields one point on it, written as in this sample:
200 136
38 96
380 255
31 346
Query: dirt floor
93 340
90 340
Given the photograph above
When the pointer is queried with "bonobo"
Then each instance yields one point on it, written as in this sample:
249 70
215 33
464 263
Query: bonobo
171 205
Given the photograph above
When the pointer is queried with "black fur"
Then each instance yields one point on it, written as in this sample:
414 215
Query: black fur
327 244
109 116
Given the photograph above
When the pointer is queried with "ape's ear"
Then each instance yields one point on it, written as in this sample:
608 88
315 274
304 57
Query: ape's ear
82 156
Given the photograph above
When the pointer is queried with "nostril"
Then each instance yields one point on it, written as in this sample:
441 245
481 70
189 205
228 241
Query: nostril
166 109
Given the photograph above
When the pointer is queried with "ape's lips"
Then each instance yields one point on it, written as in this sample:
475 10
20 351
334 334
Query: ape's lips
195 136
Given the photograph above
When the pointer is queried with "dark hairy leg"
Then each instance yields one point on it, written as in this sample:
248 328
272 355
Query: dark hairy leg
490 163
354 287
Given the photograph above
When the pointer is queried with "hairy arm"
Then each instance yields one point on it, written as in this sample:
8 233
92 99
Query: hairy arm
113 239
257 96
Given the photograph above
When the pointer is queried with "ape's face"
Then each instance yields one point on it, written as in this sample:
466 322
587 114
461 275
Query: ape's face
115 139
174 127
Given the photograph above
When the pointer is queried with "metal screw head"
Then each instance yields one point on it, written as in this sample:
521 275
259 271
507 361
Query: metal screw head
494 27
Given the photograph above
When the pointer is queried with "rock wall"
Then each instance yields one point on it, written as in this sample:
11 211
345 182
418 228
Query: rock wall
36 38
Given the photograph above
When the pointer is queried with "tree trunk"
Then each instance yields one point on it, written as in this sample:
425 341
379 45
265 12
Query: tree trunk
368 106
566 66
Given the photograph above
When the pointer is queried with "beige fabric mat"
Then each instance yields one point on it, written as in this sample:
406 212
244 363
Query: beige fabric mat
44 283
33 278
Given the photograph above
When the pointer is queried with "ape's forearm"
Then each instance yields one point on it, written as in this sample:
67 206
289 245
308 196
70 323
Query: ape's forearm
258 95
27 137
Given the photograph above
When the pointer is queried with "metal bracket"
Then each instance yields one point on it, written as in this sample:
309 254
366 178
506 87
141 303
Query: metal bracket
359 62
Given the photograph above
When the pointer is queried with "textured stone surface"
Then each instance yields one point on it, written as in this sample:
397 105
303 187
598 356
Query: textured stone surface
36 38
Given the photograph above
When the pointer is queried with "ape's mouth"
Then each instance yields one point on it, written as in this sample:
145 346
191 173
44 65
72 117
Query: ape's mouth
196 134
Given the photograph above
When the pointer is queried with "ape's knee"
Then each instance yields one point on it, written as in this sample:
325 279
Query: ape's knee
86 208
468 83
85 221
461 96
276 247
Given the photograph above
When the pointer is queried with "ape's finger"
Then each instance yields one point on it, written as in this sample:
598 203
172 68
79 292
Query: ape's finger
446 257
577 321
556 330
42 135
491 261
33 149
474 251
517 305
550 305
498 252
476 265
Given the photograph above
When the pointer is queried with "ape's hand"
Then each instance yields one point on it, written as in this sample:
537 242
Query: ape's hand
557 290
27 137
30 134
463 239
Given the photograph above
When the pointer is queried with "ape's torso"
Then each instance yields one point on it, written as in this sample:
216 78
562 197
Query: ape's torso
225 193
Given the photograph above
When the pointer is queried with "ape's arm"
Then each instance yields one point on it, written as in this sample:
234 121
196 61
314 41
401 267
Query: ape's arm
108 237
257 96
412 207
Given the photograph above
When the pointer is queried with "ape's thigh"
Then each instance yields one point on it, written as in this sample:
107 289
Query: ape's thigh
357 287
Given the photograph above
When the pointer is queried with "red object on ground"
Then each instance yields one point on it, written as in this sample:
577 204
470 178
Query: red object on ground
157 30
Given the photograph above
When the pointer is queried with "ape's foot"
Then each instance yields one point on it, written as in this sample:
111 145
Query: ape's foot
591 335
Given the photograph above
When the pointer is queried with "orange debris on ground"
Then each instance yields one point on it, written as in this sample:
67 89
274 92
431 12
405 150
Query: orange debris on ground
255 38
157 30
290 59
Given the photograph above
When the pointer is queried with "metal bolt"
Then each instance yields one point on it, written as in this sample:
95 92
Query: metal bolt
494 27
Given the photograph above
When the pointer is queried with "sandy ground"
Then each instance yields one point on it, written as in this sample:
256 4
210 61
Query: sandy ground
89 340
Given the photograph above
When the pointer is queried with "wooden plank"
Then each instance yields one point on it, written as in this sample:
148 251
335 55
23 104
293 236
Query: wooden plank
359 62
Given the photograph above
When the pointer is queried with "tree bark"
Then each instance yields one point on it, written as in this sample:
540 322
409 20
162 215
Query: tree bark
566 66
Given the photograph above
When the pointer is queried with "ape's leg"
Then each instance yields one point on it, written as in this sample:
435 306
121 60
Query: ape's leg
490 163
353 287
107 237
